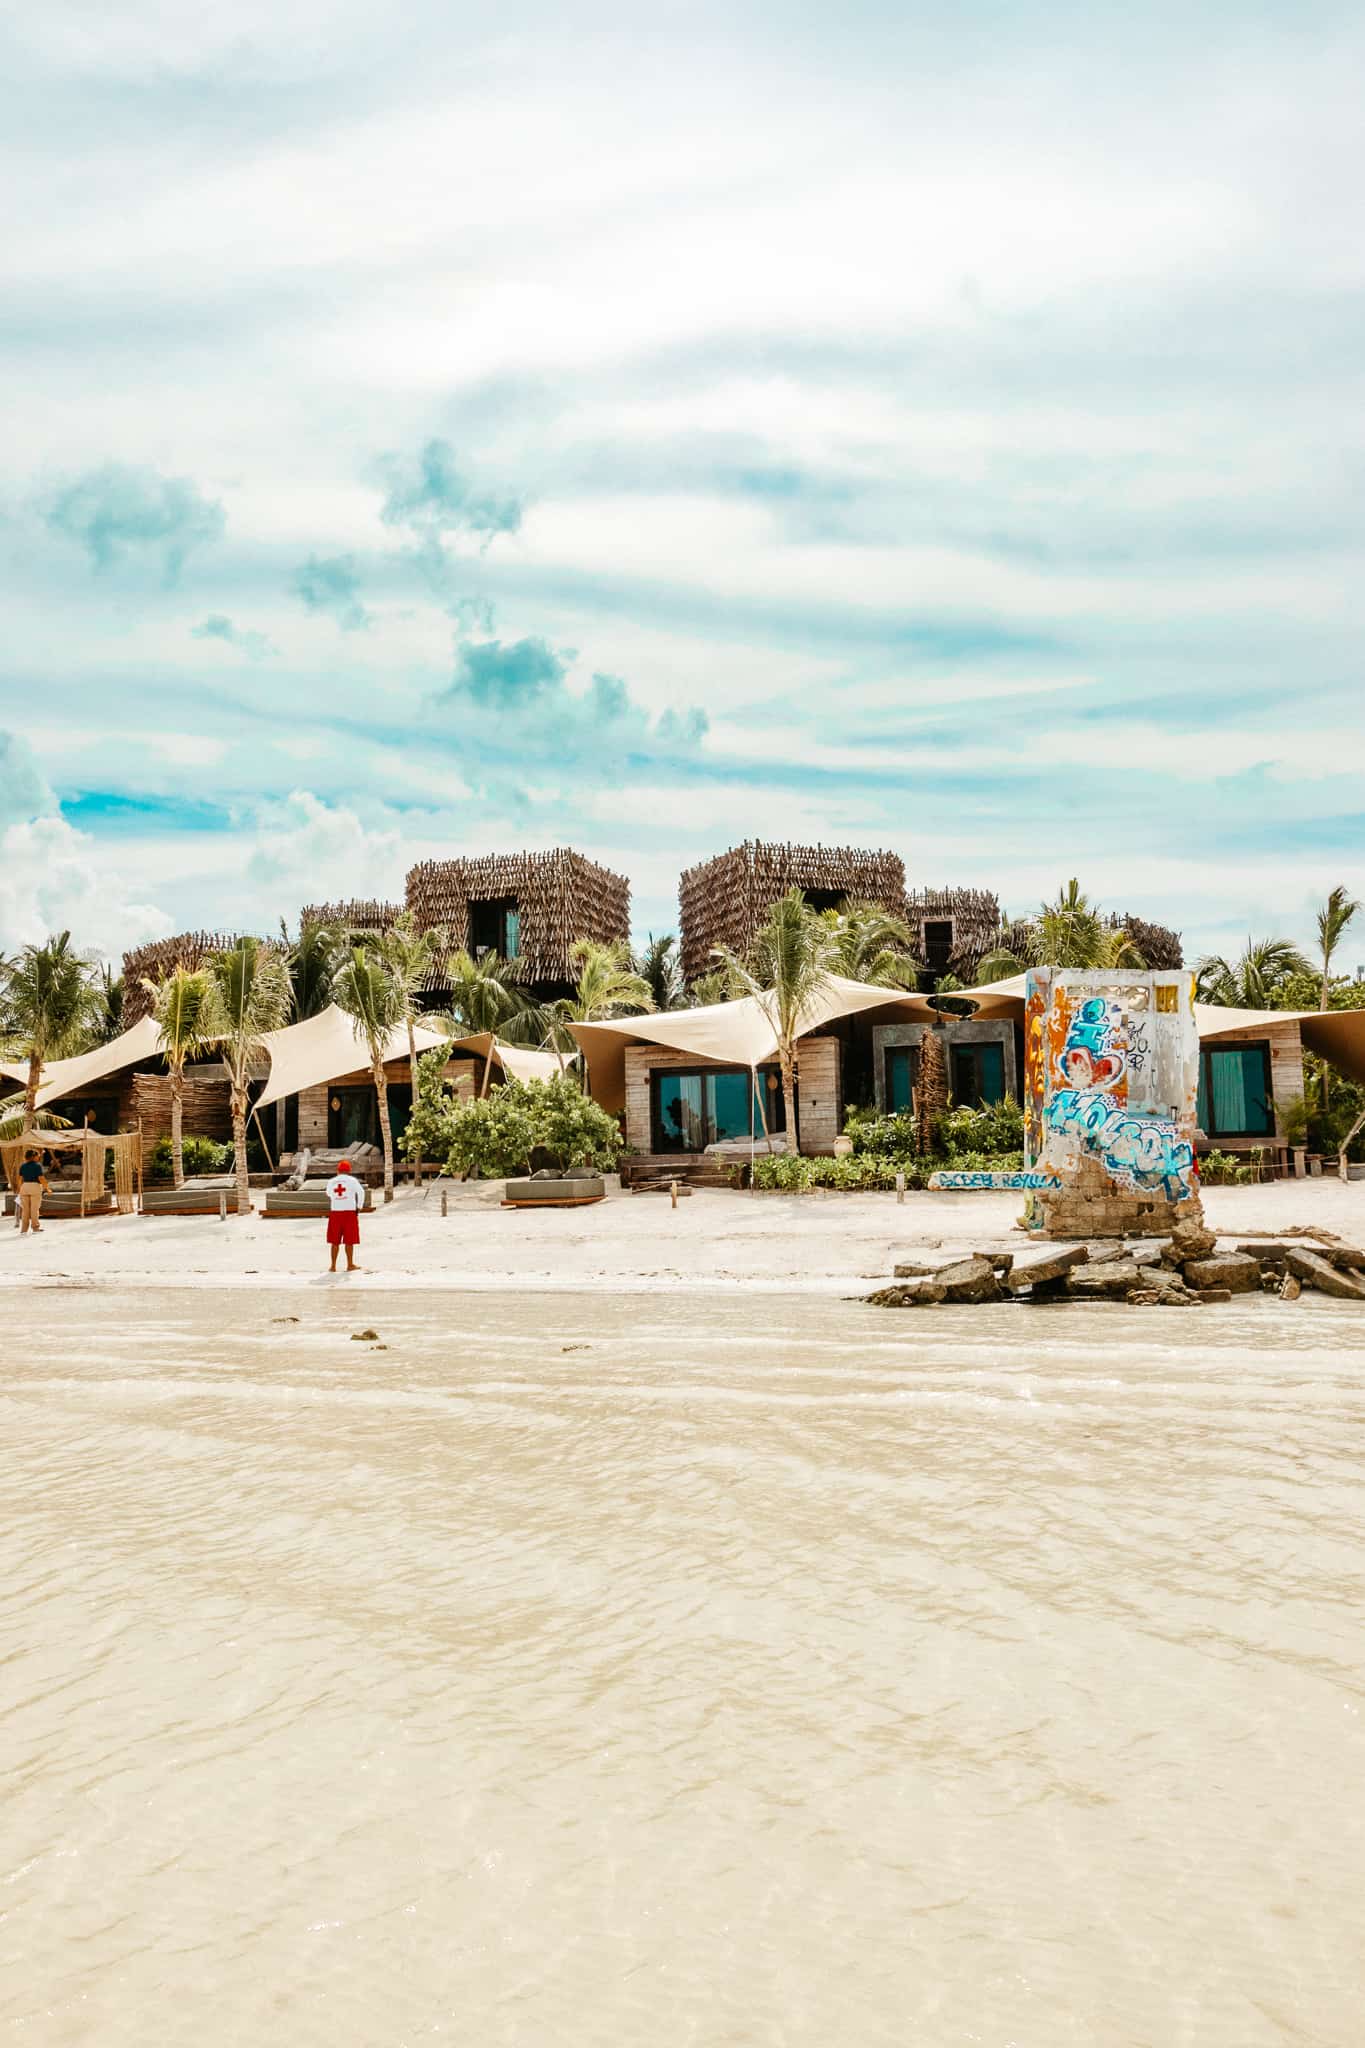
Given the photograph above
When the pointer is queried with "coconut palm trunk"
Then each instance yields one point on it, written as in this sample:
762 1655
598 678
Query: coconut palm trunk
381 1090
35 1068
178 1126
412 1076
238 1102
786 1060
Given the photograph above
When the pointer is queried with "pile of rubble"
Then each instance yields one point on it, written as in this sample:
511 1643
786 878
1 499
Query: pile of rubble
1185 1271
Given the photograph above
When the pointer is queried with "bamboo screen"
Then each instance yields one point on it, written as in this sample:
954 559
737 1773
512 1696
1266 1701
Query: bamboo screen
356 916
560 897
723 901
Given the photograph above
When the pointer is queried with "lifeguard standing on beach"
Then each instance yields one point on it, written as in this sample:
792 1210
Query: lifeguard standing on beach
345 1199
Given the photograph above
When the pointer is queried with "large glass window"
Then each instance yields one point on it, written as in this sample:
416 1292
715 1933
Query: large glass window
694 1108
495 926
902 1067
977 1074
1235 1095
353 1115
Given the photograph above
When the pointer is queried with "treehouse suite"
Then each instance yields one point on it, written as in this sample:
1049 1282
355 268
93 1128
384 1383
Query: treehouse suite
723 901
531 908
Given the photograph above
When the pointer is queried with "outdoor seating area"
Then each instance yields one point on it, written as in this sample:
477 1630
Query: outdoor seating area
199 1197
575 1188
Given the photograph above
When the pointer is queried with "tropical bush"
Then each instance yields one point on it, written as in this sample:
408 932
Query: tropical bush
515 1126
202 1155
960 1135
791 1173
1229 1169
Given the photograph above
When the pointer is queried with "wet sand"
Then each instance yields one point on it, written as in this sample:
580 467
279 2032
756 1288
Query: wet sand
715 1669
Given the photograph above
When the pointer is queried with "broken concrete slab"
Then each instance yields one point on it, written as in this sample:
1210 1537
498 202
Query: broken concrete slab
1266 1252
1047 1266
1143 1254
1347 1258
1233 1270
1111 1281
1291 1287
968 1280
1316 1271
1001 1262
1192 1240
916 1269
911 1294
1210 1296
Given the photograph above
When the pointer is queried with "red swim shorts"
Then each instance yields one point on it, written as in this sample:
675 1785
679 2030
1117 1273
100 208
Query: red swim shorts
343 1227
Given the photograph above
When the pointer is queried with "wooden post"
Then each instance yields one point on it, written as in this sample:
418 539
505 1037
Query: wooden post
900 1187
673 1194
222 1205
140 1209
1343 1169
260 1131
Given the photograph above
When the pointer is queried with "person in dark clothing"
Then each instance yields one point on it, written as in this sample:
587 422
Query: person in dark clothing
32 1188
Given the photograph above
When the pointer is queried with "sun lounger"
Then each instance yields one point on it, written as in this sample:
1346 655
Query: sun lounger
196 1198
61 1202
573 1190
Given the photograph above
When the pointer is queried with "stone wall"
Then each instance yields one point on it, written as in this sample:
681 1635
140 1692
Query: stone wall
818 1075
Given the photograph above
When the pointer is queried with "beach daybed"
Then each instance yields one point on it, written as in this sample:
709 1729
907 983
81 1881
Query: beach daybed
309 1200
575 1188
197 1198
66 1201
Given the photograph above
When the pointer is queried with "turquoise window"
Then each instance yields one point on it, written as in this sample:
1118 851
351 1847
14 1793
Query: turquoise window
1236 1099
977 1075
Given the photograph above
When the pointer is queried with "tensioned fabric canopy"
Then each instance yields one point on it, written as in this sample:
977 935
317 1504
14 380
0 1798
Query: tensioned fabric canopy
322 1048
742 1033
60 1078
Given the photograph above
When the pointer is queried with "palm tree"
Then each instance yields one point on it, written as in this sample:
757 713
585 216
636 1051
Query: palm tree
719 986
1333 918
484 996
659 966
1000 964
251 995
370 992
1249 983
312 961
789 967
50 1009
1072 932
185 1006
412 958
111 1002
931 1088
608 985
873 945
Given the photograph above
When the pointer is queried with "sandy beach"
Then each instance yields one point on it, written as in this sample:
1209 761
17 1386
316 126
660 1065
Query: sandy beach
822 1243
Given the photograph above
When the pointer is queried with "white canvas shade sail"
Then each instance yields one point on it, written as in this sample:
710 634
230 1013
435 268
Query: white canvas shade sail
60 1078
323 1048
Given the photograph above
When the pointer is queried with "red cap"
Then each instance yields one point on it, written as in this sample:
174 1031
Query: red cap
343 1166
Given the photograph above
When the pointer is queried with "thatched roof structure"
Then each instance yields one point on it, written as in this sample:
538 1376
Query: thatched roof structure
724 901
359 915
557 897
160 958
953 928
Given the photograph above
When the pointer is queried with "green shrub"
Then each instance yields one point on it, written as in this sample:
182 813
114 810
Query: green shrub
512 1128
995 1128
882 1137
1227 1170
201 1155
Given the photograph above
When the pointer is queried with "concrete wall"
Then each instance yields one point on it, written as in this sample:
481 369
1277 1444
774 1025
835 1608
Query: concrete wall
818 1077
994 1031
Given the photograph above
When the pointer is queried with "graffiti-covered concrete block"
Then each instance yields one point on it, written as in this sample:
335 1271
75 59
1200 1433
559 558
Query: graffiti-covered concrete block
1112 1080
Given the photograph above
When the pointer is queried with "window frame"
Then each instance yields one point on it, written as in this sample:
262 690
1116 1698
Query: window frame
1238 1045
772 1101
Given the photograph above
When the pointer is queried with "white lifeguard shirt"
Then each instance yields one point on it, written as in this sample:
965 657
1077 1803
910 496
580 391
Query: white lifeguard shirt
344 1192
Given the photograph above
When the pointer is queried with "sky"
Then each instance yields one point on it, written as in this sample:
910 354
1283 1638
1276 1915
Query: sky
457 429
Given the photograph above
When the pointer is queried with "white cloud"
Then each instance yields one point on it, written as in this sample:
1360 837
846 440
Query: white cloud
54 878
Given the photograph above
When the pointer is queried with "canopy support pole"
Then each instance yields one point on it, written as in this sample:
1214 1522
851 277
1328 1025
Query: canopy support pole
260 1131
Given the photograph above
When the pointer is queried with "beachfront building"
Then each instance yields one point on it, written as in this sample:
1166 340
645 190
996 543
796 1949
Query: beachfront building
723 901
355 916
160 957
951 931
529 907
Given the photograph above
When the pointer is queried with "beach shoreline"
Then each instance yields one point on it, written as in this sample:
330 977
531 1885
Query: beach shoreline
717 1240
